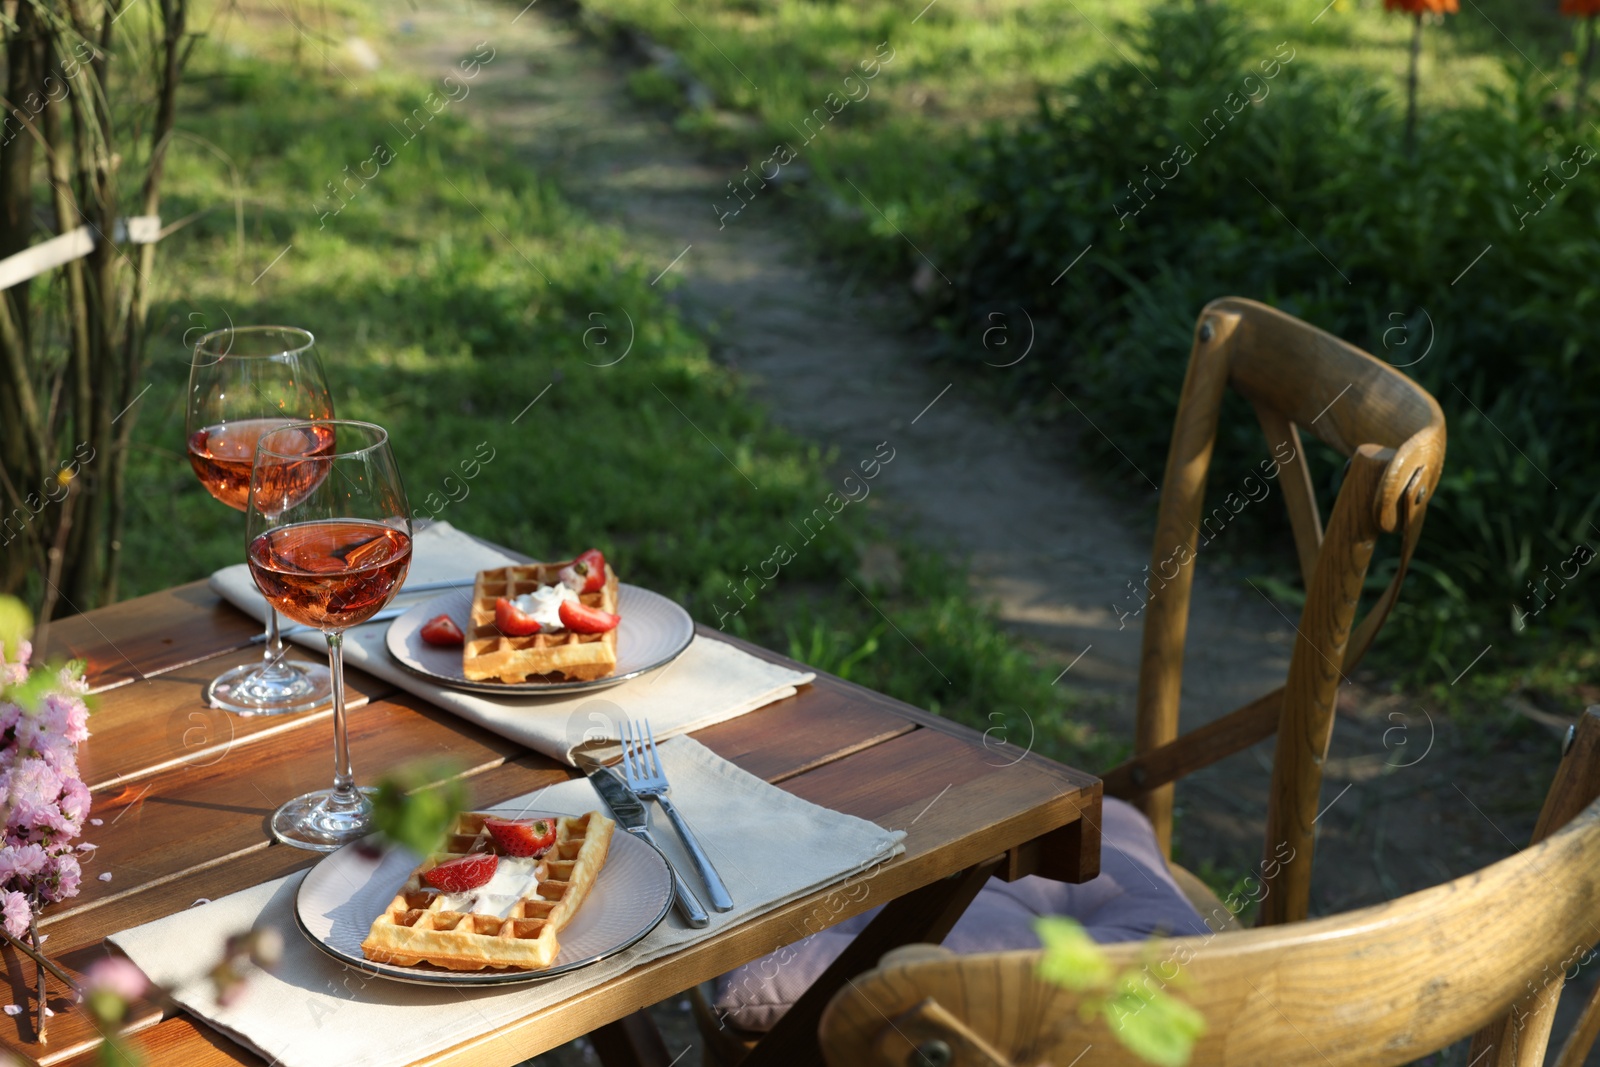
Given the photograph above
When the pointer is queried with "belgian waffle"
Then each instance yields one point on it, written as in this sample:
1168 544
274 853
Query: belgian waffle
419 926
563 655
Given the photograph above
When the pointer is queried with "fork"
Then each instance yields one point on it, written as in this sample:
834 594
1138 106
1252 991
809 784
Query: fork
641 766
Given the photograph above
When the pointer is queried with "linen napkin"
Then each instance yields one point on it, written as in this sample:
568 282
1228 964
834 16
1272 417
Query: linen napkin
711 682
769 846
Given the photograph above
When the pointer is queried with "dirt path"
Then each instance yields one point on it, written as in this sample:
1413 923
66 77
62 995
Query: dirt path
1049 550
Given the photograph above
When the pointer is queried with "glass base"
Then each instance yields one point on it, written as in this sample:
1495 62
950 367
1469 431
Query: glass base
324 820
289 687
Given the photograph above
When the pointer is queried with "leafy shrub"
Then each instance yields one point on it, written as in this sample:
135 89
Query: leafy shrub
1305 200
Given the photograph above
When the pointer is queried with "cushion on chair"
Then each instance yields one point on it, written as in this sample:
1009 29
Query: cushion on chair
1133 897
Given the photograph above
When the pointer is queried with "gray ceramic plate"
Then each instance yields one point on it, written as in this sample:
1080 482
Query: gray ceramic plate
349 888
654 631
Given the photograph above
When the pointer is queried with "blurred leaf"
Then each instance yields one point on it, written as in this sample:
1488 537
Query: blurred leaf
417 802
1152 1023
16 626
1071 959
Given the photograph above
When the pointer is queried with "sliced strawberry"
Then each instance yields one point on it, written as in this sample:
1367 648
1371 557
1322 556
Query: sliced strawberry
586 574
513 621
442 630
462 873
594 565
522 837
581 619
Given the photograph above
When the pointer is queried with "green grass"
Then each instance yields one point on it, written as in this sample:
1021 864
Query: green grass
962 64
460 301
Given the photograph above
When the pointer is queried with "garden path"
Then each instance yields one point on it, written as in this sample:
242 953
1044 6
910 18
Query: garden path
833 364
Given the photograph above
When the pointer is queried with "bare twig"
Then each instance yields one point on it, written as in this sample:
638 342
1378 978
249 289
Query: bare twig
42 960
44 1009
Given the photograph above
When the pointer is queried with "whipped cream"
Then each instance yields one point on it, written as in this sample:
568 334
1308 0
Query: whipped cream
514 878
544 605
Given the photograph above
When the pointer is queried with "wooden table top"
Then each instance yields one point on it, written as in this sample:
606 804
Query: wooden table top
184 793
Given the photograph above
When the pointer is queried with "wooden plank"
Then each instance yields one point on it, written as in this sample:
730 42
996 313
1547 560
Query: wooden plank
181 1040
150 634
886 781
819 724
161 722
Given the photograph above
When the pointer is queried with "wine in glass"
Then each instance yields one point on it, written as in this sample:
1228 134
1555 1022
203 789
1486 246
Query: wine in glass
329 546
242 382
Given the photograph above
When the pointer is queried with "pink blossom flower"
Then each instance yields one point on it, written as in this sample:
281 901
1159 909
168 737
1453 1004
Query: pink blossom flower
21 862
43 800
17 914
64 714
63 874
75 802
34 786
116 975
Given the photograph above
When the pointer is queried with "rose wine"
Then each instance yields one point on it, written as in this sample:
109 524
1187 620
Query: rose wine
223 455
331 574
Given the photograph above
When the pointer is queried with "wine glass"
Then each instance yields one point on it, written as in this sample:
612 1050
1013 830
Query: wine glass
242 381
329 546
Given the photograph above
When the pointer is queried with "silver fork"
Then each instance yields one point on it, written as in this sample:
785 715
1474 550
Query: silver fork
641 766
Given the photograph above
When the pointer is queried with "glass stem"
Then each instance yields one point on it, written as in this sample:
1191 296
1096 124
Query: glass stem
272 665
344 777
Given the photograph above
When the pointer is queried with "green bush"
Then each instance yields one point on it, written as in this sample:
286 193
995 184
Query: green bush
1294 190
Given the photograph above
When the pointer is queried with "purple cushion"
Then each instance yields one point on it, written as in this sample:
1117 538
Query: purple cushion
1134 897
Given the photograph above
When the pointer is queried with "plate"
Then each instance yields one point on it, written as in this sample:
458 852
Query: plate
654 631
349 888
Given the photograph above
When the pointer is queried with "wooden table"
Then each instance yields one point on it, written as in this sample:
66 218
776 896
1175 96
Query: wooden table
184 793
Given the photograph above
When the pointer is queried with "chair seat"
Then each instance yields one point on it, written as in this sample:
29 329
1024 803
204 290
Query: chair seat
1134 897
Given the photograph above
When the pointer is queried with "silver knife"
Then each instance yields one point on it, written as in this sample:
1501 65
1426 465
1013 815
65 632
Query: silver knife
301 628
382 616
633 817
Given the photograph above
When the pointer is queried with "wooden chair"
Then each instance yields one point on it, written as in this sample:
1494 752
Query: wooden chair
1483 955
1298 378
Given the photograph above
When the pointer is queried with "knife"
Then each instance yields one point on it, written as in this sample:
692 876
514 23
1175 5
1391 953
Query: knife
382 616
633 817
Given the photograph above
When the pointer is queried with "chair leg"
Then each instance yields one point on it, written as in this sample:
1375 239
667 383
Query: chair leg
632 1041
926 914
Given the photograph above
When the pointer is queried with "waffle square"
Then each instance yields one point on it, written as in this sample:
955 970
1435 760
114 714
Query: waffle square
563 655
419 927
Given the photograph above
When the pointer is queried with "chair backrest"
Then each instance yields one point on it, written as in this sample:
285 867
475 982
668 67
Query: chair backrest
1298 378
1383 985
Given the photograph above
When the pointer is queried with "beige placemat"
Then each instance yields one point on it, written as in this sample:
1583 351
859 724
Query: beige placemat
770 847
710 683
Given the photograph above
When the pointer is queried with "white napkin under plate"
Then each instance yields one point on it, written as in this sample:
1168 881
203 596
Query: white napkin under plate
770 847
711 682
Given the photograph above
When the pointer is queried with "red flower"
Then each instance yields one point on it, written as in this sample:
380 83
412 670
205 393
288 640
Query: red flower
1440 7
1589 8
